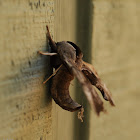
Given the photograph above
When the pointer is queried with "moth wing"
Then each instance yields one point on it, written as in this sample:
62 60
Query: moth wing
91 74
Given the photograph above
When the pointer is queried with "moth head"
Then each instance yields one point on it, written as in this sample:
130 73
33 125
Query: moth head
79 53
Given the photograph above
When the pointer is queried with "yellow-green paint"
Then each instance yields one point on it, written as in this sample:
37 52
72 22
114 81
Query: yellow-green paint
25 104
116 40
26 108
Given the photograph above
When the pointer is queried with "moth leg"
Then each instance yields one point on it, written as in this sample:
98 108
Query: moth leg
52 74
47 53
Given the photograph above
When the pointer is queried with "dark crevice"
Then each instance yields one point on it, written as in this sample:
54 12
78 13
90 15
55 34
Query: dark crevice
84 26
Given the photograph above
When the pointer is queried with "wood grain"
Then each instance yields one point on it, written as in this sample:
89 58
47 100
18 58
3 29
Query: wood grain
25 104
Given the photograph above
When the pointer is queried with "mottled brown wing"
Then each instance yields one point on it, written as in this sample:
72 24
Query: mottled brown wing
91 74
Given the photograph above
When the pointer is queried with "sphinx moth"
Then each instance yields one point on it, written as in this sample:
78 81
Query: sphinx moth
66 59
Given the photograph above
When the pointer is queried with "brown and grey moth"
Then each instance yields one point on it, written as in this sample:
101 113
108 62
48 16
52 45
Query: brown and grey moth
66 59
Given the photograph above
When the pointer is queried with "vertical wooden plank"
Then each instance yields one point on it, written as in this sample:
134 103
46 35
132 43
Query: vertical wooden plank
116 57
25 104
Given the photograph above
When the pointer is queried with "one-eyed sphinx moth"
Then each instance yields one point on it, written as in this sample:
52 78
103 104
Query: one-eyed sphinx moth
66 59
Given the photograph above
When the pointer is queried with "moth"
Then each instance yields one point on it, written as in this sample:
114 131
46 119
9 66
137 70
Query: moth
66 59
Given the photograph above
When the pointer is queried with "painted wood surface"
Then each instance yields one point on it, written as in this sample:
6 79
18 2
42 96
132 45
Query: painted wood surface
116 56
107 32
25 103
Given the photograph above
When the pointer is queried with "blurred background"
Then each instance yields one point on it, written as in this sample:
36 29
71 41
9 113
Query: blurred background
107 31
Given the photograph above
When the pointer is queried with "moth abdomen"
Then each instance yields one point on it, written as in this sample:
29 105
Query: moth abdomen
60 90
